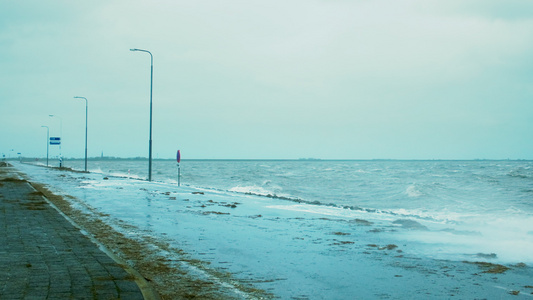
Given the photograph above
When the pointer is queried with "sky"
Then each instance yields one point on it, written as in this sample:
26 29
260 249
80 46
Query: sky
269 79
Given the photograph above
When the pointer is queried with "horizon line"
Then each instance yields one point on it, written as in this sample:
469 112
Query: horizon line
275 159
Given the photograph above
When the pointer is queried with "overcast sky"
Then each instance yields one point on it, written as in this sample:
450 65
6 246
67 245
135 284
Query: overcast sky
359 79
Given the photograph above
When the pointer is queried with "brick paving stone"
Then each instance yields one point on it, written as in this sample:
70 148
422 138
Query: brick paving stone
43 256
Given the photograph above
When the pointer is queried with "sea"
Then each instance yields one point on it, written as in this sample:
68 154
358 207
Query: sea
321 229
486 202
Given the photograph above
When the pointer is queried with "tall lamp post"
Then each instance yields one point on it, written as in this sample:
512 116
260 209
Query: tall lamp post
151 84
86 115
47 142
61 137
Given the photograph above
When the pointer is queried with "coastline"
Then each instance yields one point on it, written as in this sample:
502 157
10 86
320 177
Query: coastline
316 249
141 255
44 254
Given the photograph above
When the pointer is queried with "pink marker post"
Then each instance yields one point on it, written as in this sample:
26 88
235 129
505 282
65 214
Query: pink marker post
178 158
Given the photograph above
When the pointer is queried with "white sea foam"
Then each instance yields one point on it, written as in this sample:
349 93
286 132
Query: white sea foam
125 175
413 191
97 170
256 190
436 216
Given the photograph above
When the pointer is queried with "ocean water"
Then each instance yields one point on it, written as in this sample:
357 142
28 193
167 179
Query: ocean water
442 190
323 229
483 205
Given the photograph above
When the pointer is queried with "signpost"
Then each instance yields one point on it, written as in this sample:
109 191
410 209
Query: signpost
57 141
178 158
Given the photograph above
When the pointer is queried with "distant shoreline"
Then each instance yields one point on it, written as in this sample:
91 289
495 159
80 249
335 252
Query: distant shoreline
253 159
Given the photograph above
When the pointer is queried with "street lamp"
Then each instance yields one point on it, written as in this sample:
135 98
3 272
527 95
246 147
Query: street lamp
86 114
47 142
60 137
151 84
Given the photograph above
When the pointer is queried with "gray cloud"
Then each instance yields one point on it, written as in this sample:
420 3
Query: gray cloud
335 79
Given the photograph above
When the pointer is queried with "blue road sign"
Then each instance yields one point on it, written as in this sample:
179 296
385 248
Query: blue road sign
55 141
